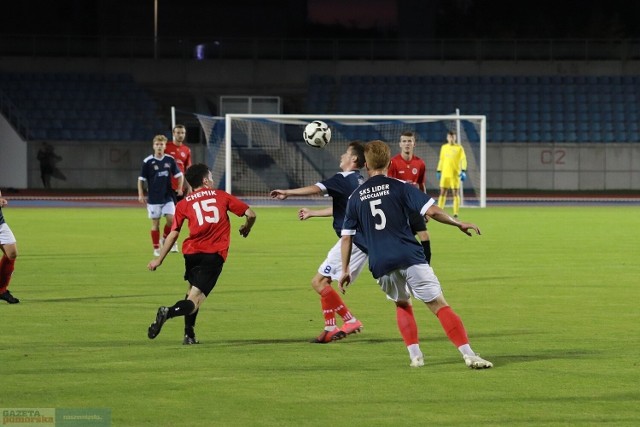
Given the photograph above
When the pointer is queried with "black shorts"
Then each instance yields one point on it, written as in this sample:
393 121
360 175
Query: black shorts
417 222
202 271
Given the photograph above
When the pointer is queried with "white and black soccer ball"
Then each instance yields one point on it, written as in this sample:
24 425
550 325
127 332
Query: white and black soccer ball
317 134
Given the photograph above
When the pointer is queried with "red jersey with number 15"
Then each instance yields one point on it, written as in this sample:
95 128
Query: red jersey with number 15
209 226
182 154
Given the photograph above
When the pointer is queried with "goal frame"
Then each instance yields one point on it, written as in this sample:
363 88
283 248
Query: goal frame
482 119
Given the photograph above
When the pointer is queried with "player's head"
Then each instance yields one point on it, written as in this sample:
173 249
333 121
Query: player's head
159 144
451 137
407 142
357 150
377 155
179 134
199 175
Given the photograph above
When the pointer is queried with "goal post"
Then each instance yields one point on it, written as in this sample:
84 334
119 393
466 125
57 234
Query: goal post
266 151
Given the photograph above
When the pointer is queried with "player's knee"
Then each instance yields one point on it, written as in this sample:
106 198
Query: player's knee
318 283
403 303
10 251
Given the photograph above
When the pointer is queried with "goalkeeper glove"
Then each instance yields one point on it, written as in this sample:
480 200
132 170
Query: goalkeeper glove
438 175
463 175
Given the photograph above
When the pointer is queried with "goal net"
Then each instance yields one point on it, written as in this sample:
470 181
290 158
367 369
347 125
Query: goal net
261 152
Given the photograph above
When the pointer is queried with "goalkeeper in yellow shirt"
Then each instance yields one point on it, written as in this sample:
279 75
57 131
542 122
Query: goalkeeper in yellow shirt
452 169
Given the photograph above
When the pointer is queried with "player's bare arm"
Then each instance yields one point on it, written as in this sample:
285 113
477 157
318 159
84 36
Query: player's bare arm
245 228
309 190
306 213
141 198
345 250
441 216
179 191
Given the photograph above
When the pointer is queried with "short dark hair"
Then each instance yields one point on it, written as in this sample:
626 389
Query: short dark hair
196 174
179 127
408 134
357 148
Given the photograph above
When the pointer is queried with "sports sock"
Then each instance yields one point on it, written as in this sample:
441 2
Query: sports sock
181 308
190 323
334 302
456 202
442 199
452 326
166 231
414 351
426 245
155 238
465 350
6 270
327 309
407 325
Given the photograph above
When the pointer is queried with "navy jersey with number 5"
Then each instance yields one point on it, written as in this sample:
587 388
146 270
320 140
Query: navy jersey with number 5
378 210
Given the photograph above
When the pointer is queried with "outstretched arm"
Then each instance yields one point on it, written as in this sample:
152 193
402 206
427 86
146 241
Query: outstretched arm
441 216
309 190
306 213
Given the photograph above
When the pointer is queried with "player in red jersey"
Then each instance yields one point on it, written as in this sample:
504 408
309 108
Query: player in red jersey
205 249
182 154
411 169
179 151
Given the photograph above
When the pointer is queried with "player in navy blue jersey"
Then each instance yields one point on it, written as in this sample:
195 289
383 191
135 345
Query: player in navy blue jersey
339 187
156 172
379 209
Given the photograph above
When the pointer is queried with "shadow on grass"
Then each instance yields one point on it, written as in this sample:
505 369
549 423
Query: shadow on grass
101 297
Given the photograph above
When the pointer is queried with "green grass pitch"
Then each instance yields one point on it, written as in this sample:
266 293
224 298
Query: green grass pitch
551 295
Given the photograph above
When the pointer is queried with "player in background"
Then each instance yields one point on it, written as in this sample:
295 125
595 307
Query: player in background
205 249
378 210
157 171
179 150
339 187
452 169
9 255
408 167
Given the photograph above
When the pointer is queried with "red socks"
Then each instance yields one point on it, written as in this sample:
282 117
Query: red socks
167 230
407 324
155 238
6 269
453 326
331 304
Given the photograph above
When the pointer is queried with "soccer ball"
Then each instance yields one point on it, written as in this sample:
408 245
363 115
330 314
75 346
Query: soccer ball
317 134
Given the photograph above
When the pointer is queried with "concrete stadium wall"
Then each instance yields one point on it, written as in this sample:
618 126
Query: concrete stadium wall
566 167
95 165
13 157
549 167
